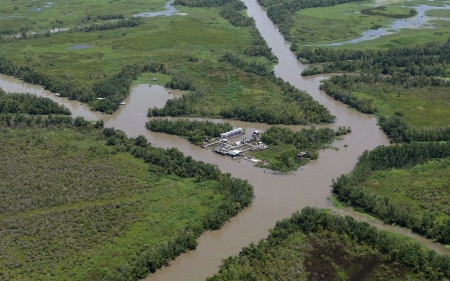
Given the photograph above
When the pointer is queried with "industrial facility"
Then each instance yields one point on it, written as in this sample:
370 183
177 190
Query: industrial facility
224 147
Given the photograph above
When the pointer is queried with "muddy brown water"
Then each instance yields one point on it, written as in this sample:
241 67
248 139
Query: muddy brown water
276 196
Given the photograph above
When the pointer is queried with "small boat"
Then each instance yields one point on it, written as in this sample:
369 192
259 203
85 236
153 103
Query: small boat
122 103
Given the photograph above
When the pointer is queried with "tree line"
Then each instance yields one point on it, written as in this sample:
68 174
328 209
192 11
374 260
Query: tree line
310 138
12 35
399 131
282 12
298 107
203 3
123 23
113 89
255 262
196 131
397 249
397 156
341 87
30 104
428 60
107 16
340 91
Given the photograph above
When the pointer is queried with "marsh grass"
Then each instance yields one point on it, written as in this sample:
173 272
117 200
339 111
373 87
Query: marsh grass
67 13
183 43
421 106
85 208
344 22
422 188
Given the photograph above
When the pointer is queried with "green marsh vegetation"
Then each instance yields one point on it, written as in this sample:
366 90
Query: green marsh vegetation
406 185
217 70
83 202
40 15
390 79
301 22
317 245
408 81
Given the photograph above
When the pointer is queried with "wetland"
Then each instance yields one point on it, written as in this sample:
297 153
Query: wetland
193 64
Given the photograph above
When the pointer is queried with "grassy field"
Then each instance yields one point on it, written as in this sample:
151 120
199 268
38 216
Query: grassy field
84 207
421 107
422 188
347 21
44 15
164 39
344 22
407 37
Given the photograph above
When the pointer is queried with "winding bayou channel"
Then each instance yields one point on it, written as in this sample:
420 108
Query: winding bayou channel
276 196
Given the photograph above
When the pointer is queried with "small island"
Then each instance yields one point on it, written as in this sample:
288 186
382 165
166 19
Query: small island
278 148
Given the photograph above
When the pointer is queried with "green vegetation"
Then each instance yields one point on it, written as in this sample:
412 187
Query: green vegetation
409 81
399 131
285 146
378 186
283 13
40 15
27 103
344 22
423 188
86 203
316 245
302 23
438 13
195 131
228 76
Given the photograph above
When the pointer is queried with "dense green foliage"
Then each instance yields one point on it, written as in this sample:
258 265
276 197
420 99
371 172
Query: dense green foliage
113 89
285 145
316 245
305 139
281 12
399 131
421 60
196 131
348 187
82 204
297 108
406 79
28 103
